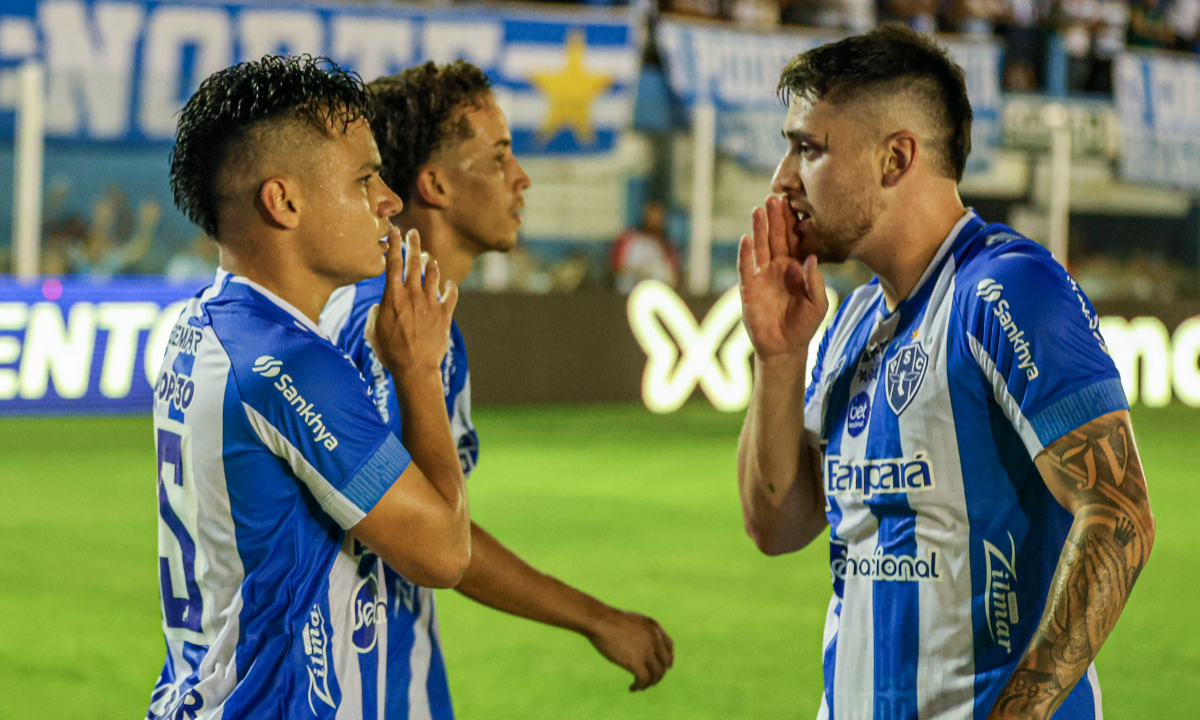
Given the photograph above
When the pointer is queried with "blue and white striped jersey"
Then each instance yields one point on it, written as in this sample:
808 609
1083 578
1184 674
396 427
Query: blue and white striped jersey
943 536
414 659
269 448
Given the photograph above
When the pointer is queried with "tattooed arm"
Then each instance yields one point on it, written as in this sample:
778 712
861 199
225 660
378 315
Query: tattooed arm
1095 473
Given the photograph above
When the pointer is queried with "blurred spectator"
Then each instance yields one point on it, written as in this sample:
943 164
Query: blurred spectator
855 16
1093 34
1184 18
62 237
199 259
1148 26
644 253
920 15
101 253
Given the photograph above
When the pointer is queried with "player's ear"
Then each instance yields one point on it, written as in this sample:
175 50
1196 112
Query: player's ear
433 187
899 157
280 203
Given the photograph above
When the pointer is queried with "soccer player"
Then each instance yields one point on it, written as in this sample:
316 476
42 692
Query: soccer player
964 435
275 470
447 150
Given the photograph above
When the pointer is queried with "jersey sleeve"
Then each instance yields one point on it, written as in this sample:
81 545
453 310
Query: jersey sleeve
309 406
456 380
1035 337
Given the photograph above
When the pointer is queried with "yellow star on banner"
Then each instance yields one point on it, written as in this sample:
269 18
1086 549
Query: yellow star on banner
570 92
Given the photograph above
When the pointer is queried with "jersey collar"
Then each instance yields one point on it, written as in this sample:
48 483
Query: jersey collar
300 318
956 233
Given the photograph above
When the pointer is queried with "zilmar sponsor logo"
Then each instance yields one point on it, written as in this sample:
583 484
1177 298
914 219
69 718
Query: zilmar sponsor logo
874 477
991 291
316 647
1000 596
268 366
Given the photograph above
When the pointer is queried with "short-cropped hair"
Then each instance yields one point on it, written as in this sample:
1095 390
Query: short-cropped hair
418 111
891 58
219 122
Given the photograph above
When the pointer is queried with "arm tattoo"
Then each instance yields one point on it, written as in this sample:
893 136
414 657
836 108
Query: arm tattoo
1098 468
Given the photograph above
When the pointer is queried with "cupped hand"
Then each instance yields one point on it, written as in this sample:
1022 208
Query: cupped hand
411 327
636 643
783 298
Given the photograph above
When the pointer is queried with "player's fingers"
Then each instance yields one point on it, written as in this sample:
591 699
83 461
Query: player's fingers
450 298
412 265
776 227
433 278
758 225
641 678
657 670
793 237
394 279
661 650
668 643
815 282
745 260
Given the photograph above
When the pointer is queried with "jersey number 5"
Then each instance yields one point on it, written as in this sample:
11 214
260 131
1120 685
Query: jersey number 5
183 606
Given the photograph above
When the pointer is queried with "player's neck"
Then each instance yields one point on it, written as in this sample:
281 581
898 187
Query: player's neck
454 254
904 243
281 273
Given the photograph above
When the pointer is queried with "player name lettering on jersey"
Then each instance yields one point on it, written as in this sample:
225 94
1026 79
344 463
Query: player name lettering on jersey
883 566
990 291
186 338
874 477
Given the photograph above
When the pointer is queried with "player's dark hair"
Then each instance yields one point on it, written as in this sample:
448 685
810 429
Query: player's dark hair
418 111
891 57
233 102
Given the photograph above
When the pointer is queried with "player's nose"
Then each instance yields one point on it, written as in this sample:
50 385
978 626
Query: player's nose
390 203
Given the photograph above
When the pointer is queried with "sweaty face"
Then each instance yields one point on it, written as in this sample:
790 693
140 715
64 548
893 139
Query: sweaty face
346 206
486 182
829 178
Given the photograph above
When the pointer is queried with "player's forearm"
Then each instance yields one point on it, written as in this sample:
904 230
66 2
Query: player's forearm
1104 554
428 438
499 579
780 493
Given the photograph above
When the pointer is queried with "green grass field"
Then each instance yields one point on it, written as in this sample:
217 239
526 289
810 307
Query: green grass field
640 510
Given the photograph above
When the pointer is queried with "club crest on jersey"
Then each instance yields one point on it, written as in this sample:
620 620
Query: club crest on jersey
316 647
905 372
1000 596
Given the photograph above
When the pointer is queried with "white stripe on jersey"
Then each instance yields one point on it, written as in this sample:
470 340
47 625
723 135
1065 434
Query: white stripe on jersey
1094 680
945 682
419 660
1004 398
343 577
344 512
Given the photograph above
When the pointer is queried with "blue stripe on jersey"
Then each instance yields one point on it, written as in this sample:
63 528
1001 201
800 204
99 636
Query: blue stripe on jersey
1078 409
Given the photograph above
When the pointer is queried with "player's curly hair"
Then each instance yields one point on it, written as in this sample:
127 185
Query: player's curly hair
417 111
232 103
890 58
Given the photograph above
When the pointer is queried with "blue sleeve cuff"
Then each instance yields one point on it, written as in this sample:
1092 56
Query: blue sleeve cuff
1077 409
377 475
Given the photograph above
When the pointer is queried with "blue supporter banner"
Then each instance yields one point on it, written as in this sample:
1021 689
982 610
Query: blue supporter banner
1158 99
121 71
75 345
738 72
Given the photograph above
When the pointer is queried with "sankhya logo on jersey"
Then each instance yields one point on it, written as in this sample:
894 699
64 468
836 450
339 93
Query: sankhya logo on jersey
874 477
316 648
1000 596
885 566
268 366
991 291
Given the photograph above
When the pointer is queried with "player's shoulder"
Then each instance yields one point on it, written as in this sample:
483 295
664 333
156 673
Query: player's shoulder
999 261
268 344
855 307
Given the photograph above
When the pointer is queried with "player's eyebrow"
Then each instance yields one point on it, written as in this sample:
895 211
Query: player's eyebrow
372 165
796 136
503 142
